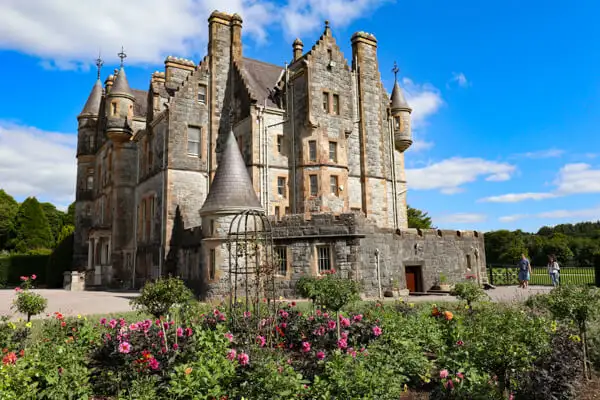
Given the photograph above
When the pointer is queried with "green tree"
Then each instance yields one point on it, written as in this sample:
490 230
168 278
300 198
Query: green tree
55 219
69 216
32 228
418 219
8 211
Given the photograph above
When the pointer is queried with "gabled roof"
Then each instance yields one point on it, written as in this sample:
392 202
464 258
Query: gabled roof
231 190
121 86
92 105
261 78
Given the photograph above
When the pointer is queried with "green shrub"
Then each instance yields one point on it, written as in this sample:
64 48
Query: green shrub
158 298
29 303
60 261
13 266
468 291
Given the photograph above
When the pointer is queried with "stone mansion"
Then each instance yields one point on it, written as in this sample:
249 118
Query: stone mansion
317 144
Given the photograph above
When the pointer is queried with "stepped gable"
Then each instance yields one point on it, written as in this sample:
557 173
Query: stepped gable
231 190
261 78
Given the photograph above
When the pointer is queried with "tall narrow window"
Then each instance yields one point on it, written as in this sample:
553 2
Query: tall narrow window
91 143
193 142
313 185
281 186
312 150
324 258
336 104
397 122
287 210
333 152
212 264
279 143
277 213
330 54
113 108
212 227
90 179
150 155
326 102
202 94
280 253
333 184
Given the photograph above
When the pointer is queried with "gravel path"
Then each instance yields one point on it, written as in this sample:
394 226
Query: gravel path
85 303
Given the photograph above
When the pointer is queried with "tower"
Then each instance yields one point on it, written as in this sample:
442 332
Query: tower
84 192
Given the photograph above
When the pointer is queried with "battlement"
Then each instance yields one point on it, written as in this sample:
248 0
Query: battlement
364 37
448 233
179 61
316 225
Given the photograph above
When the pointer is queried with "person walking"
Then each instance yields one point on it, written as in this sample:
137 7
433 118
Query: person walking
554 270
524 272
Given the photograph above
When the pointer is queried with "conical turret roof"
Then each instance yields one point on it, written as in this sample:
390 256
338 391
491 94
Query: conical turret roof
231 189
92 105
121 86
398 100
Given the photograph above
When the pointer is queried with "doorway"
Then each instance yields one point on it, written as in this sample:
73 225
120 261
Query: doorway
413 278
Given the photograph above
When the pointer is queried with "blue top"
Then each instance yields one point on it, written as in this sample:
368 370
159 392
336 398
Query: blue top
524 265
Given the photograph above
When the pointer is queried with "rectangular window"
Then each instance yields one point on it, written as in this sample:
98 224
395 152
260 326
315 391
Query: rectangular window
287 210
202 94
280 259
91 143
326 102
193 142
333 152
212 227
212 264
276 213
330 54
312 150
333 184
113 108
314 184
336 104
324 258
90 180
397 121
279 143
281 186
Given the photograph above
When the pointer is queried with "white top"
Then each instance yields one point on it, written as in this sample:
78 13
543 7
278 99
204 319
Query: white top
553 267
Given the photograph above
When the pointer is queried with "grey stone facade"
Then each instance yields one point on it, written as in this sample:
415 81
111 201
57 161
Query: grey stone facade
321 141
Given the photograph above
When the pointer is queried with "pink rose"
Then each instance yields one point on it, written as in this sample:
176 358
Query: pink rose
320 355
443 374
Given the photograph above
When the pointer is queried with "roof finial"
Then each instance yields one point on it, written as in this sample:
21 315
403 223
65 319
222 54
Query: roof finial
395 70
122 55
326 23
99 63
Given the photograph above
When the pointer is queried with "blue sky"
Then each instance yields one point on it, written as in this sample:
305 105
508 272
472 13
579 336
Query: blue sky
506 94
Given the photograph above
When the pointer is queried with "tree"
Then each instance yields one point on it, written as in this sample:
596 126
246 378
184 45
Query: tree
8 211
31 227
418 219
55 219
70 215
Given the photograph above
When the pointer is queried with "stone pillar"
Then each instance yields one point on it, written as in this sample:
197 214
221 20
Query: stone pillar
90 263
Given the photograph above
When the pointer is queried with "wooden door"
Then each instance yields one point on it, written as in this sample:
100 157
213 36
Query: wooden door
411 279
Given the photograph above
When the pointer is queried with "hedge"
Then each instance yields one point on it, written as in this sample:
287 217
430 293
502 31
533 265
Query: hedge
13 266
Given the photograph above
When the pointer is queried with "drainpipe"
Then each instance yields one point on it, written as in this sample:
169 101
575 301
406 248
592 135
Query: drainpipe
135 220
293 131
163 204
378 274
393 161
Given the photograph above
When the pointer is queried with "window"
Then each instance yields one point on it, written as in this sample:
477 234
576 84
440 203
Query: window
130 111
202 94
336 104
277 213
193 141
333 152
212 227
90 179
113 108
312 150
326 102
313 185
91 143
397 121
281 186
150 155
287 210
333 184
330 54
280 256
324 259
279 143
212 264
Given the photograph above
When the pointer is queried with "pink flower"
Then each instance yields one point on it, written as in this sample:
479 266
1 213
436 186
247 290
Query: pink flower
231 354
376 330
311 318
229 336
24 278
243 359
331 324
222 317
166 325
305 347
325 315
460 375
318 313
188 332
284 314
133 327
261 341
122 322
113 323
345 335
443 374
154 364
344 322
18 289
179 332
175 346
247 314
124 348
320 331
33 277
460 343
357 318
283 325
448 384
161 334
293 304
320 355
342 344
216 312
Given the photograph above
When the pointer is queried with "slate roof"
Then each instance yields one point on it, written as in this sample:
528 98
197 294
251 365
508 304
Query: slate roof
231 189
140 107
92 105
262 77
121 86
398 100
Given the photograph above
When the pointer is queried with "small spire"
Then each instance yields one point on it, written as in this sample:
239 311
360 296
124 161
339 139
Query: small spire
327 29
99 63
395 70
122 55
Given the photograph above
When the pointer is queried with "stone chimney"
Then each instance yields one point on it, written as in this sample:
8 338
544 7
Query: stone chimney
176 70
298 47
236 37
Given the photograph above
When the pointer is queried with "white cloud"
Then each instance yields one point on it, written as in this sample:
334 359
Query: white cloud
37 163
461 218
516 197
67 34
539 154
449 175
460 79
420 145
586 213
424 99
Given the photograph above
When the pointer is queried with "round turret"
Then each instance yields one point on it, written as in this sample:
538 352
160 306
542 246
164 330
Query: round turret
400 111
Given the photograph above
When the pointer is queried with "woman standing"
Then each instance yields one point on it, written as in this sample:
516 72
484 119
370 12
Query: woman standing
524 271
554 270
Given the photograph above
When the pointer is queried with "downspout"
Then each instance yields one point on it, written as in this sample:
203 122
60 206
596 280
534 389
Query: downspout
293 131
135 220
393 160
163 229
